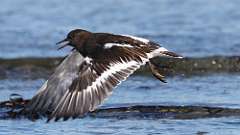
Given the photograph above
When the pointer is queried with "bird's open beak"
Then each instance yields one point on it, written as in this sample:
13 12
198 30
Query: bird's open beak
63 43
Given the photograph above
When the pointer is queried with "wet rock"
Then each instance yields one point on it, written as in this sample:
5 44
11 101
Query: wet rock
14 109
2 73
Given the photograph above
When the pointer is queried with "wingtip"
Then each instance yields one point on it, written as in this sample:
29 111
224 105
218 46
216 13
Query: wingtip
163 80
52 117
48 120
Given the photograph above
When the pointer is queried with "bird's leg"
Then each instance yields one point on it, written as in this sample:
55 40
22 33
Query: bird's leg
156 72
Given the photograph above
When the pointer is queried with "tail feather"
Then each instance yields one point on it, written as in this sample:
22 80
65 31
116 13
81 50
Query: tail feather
163 52
171 54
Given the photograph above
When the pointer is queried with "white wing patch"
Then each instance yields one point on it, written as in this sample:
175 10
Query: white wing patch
115 67
110 45
144 40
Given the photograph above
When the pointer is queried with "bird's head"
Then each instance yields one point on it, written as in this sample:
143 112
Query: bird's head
75 38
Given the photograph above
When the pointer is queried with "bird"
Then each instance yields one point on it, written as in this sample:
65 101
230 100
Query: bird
97 64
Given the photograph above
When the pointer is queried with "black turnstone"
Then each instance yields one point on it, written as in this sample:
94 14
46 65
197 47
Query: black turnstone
97 64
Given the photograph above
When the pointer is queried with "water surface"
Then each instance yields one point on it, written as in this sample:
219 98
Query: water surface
192 28
199 90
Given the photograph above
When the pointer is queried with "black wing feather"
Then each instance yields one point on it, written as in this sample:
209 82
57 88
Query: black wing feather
75 88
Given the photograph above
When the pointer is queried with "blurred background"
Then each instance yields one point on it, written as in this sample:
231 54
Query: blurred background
191 27
201 30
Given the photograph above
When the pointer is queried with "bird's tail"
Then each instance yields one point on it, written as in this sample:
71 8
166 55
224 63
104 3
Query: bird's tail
163 52
170 54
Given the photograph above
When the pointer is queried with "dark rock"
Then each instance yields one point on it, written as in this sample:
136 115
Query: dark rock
15 109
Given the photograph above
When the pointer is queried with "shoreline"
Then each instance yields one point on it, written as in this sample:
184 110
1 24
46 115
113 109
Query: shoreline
43 67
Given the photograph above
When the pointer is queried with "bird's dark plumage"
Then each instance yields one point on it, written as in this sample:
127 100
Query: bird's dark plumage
98 63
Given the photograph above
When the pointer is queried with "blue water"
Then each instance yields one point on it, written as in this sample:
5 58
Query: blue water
201 90
191 27
91 126
194 28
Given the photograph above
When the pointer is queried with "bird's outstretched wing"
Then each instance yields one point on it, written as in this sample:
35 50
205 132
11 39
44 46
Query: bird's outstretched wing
80 84
52 91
